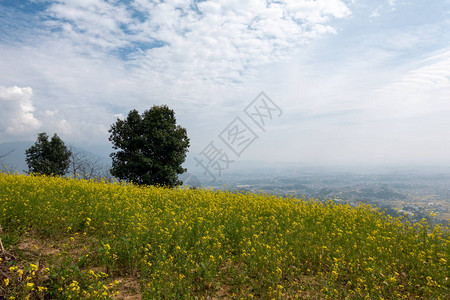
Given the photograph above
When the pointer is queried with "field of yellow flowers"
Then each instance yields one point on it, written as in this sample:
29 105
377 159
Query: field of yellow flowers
195 243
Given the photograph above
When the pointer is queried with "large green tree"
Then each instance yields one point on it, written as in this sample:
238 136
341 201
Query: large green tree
151 147
48 157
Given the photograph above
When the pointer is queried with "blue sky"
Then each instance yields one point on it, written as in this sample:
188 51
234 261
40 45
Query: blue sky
358 82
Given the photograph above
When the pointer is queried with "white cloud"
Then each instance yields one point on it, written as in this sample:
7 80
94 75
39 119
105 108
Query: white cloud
204 54
317 11
16 115
21 119
95 23
423 90
376 13
218 41
435 74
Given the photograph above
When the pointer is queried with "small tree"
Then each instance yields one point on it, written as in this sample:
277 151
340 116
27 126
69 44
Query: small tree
48 157
3 167
6 154
87 166
151 146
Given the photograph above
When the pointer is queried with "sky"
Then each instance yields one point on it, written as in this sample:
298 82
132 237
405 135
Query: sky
344 82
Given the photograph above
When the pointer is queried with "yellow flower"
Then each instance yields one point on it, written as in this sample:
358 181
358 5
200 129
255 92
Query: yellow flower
12 269
41 288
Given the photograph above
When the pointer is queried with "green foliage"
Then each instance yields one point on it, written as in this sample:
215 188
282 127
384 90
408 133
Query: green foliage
48 157
151 147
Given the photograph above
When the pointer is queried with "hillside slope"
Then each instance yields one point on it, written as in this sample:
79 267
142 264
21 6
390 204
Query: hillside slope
84 239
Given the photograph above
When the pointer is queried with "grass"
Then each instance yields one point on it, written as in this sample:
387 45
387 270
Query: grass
79 239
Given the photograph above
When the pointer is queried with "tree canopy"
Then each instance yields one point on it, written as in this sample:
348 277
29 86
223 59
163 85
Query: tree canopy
48 157
151 147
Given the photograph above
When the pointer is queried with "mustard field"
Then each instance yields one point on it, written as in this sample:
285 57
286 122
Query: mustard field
76 239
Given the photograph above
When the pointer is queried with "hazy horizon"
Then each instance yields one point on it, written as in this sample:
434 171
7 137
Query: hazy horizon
242 167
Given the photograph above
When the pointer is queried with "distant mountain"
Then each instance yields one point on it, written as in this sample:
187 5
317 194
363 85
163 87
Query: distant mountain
14 160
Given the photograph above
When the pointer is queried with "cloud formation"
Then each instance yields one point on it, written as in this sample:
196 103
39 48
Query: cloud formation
351 85
215 41
16 115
